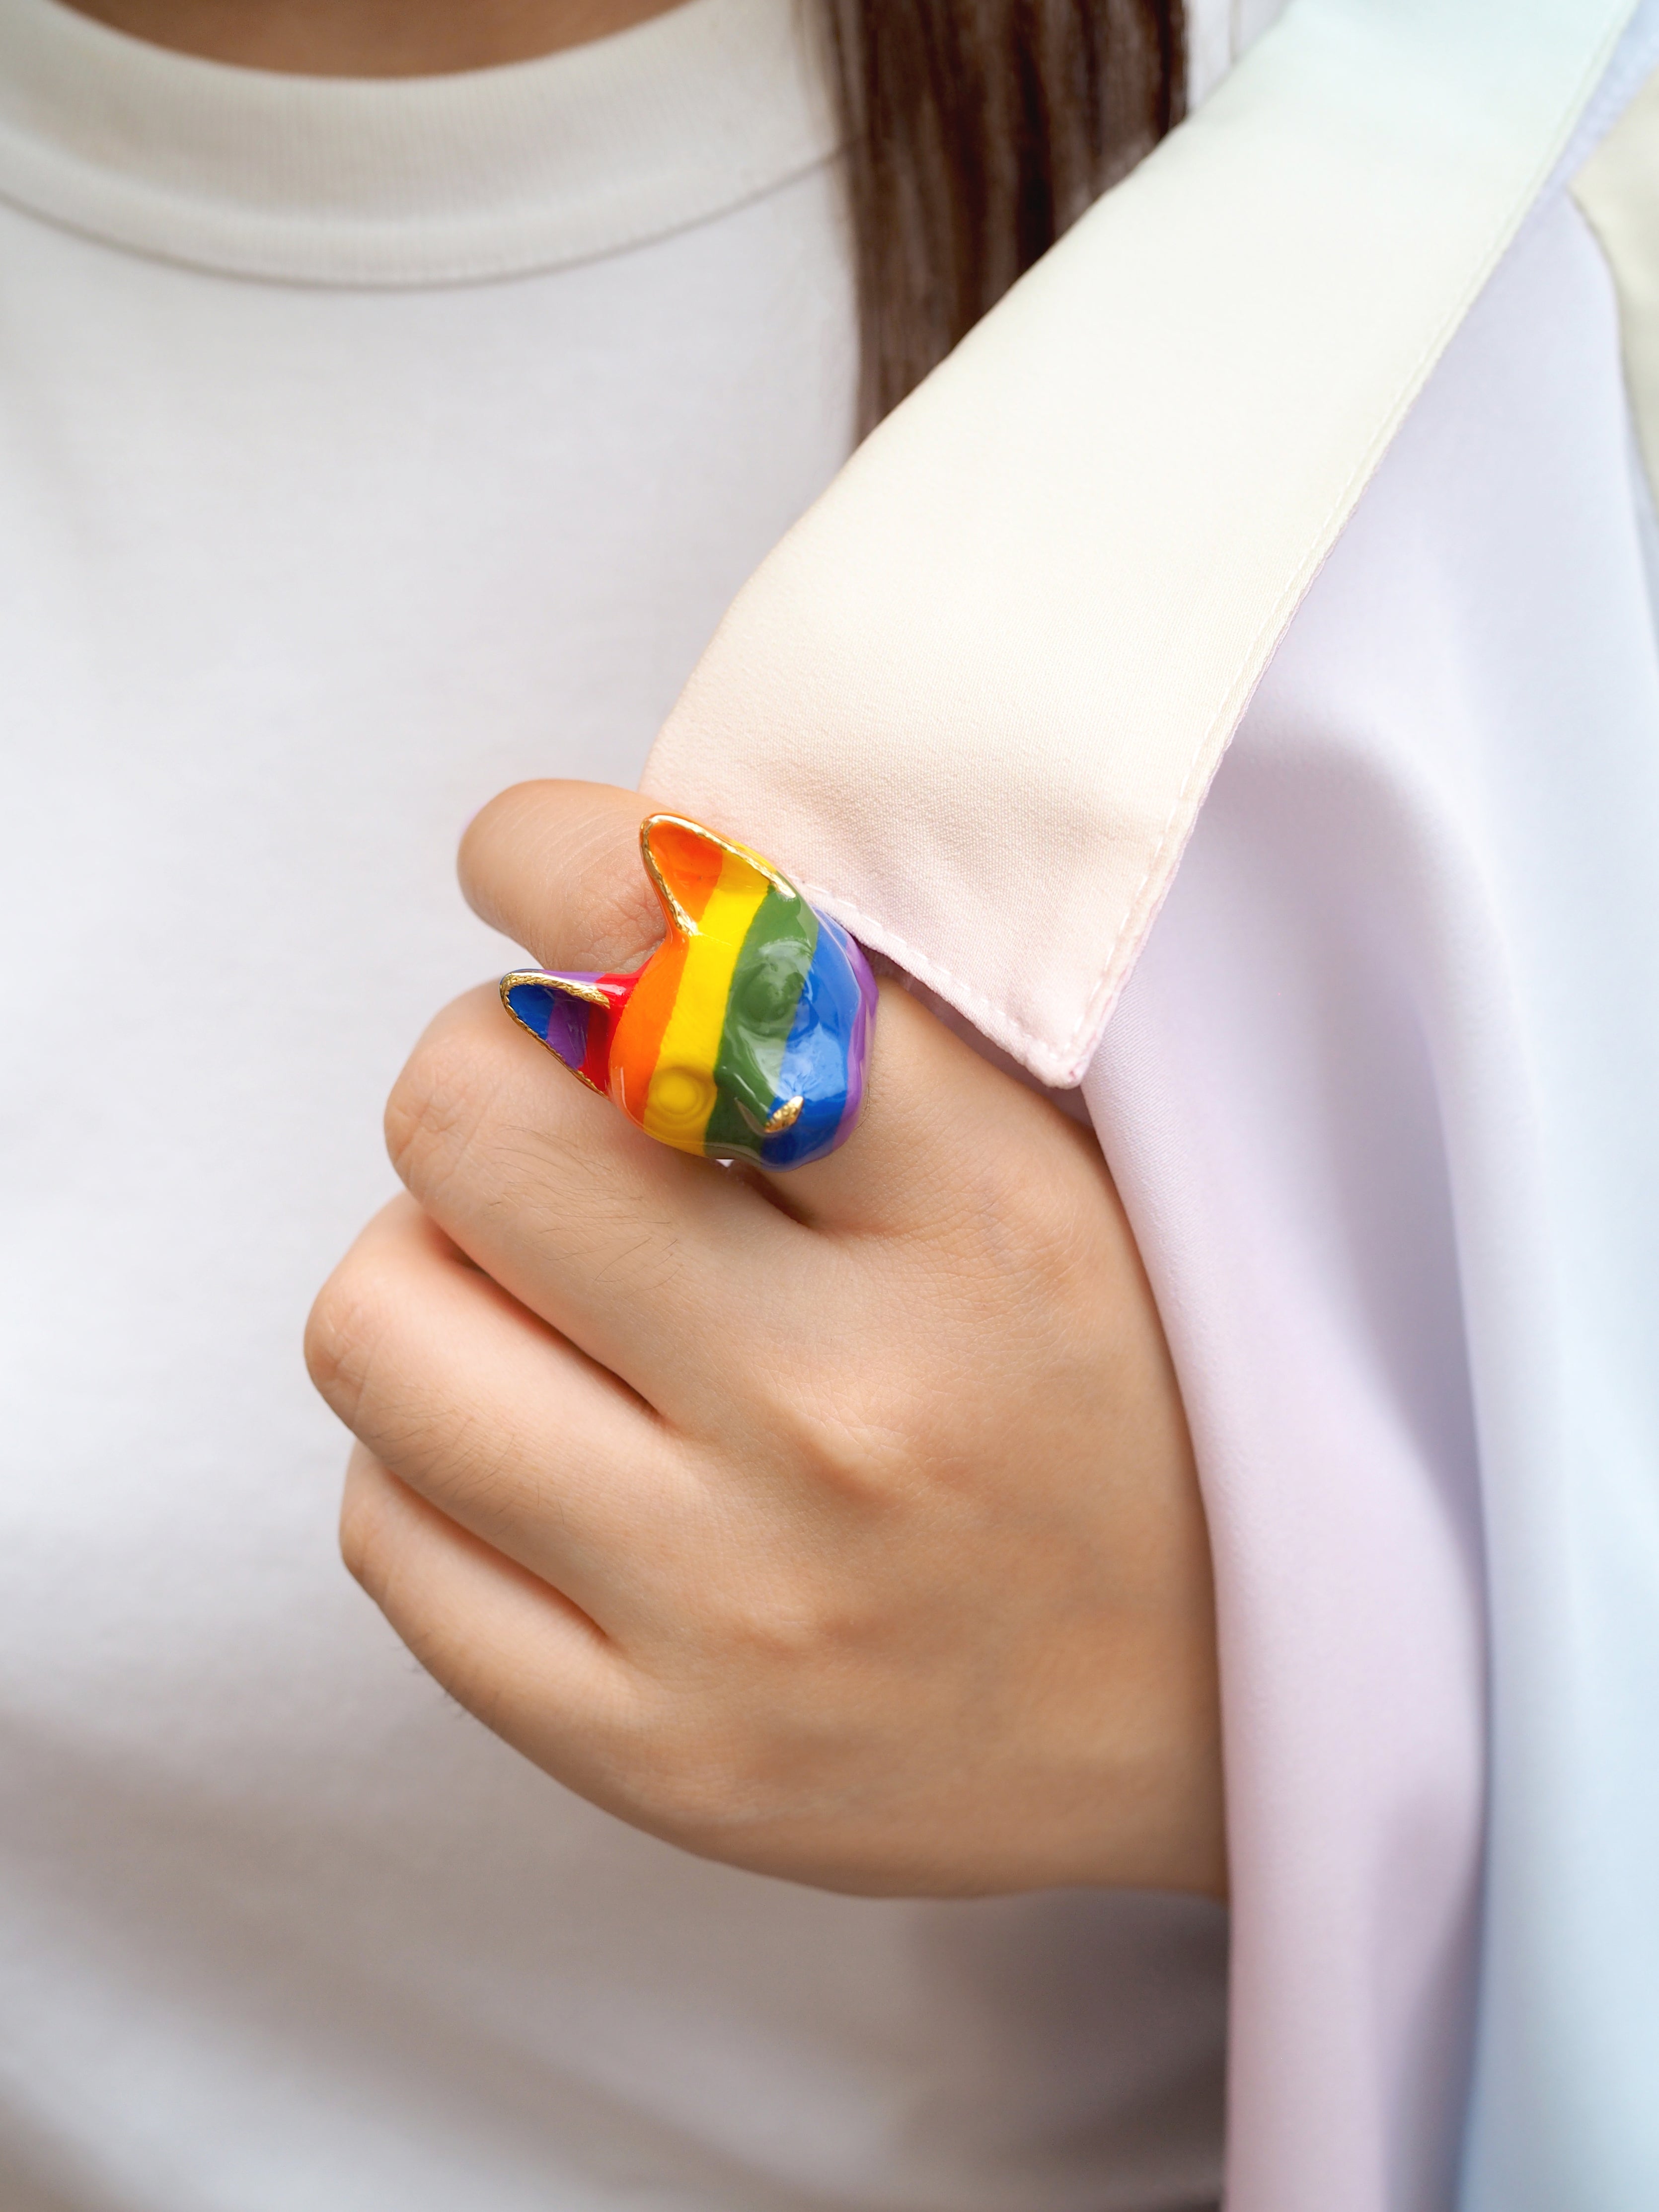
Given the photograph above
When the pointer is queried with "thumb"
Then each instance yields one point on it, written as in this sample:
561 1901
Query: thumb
556 866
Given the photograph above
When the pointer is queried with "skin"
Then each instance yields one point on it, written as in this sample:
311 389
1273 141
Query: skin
371 38
841 1525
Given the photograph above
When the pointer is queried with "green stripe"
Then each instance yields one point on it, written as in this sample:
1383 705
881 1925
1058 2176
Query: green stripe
760 1012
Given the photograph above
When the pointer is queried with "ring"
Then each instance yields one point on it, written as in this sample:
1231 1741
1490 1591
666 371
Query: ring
745 1036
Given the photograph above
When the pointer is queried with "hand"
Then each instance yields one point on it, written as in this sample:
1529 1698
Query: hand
843 1524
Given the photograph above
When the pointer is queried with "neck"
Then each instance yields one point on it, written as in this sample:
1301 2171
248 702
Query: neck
371 38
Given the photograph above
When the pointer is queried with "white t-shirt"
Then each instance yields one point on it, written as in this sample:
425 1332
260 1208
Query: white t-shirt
364 448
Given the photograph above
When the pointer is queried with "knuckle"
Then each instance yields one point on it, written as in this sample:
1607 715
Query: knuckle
370 1359
787 1619
433 1111
865 1434
363 1535
803 1640
344 1326
773 1631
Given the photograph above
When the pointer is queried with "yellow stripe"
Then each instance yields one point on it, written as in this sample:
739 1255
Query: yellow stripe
682 1094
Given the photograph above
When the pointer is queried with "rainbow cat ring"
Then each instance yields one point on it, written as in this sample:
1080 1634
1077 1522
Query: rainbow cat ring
745 1036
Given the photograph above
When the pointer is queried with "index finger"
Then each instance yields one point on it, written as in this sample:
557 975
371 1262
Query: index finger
556 866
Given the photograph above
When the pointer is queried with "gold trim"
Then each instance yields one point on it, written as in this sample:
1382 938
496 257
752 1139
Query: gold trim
588 991
783 1117
676 913
568 984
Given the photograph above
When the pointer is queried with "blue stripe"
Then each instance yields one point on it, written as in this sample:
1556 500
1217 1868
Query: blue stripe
815 1056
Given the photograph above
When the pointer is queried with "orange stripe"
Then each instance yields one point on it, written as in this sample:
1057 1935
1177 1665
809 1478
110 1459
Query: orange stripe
638 1040
692 866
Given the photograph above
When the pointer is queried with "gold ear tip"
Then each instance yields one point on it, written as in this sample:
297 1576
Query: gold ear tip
746 854
568 985
662 819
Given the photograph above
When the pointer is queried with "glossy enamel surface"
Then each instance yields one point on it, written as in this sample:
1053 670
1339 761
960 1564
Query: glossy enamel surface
745 1034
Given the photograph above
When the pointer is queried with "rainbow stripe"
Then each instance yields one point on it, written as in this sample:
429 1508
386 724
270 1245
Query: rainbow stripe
745 1036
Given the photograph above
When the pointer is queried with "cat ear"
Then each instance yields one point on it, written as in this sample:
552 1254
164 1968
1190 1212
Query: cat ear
569 1014
685 862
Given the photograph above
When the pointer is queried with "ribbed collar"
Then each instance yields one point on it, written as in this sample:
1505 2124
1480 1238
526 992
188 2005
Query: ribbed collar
421 181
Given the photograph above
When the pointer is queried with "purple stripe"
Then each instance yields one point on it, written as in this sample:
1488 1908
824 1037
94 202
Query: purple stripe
857 1050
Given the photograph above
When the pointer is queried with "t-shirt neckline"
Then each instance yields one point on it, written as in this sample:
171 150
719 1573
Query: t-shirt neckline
413 180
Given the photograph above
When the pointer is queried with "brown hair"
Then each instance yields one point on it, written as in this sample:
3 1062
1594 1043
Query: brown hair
977 130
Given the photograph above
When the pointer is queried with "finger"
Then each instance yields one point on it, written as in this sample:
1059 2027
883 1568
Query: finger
516 1654
943 1131
507 1429
556 866
643 1257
